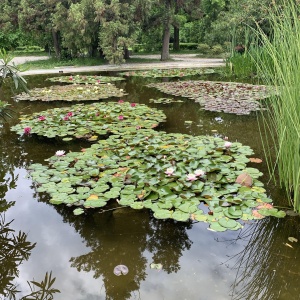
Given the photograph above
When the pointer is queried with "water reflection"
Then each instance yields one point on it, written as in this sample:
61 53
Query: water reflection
83 250
123 236
267 267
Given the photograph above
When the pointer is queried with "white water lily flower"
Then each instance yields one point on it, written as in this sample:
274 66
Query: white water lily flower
60 153
170 171
191 177
227 144
199 172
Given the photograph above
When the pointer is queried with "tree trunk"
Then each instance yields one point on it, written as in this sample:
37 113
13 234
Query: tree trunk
56 43
176 46
165 53
126 53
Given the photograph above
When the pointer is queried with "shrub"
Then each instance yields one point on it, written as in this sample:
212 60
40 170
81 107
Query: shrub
217 49
203 48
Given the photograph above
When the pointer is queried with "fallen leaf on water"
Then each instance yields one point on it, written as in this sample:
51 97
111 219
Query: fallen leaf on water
120 270
289 245
255 160
265 205
156 266
256 214
292 239
244 179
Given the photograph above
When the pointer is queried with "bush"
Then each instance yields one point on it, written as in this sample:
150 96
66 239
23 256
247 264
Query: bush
217 49
188 46
203 48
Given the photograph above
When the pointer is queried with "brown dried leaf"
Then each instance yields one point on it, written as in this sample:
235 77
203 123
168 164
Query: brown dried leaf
244 179
255 160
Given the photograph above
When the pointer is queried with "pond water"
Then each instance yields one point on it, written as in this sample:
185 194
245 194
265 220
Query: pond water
257 262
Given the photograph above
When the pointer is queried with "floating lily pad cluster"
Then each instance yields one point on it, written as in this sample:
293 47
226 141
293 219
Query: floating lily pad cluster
164 100
176 176
228 97
85 79
90 121
168 72
72 93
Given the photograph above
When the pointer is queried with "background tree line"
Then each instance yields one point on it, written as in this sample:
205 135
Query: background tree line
108 28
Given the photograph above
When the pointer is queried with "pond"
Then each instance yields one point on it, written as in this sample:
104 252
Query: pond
190 262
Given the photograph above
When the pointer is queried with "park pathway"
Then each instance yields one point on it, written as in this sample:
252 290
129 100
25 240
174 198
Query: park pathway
177 61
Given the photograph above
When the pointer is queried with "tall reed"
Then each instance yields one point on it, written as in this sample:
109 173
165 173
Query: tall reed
281 68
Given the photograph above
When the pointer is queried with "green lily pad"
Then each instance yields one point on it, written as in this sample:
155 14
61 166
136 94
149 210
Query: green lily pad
227 223
91 121
154 73
217 227
228 97
180 216
85 79
78 211
71 93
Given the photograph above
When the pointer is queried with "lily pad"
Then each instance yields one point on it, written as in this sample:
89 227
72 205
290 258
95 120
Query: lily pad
85 79
71 93
173 175
91 121
156 266
228 97
168 72
121 270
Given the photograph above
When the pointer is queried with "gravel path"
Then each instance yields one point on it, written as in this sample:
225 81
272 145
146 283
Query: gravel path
178 61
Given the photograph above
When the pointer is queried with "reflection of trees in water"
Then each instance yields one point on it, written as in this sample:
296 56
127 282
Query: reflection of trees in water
268 268
11 157
121 237
167 242
14 249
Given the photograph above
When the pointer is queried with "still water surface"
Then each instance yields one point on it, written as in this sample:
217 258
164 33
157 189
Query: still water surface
82 251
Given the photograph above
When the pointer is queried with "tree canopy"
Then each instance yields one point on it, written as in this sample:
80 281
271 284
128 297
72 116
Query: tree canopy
108 28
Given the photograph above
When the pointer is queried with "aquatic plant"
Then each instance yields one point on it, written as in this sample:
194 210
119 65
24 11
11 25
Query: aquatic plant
85 79
228 97
71 93
90 121
176 176
164 100
5 112
168 72
282 70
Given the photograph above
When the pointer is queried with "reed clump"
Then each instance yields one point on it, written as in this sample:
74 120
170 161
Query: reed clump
281 69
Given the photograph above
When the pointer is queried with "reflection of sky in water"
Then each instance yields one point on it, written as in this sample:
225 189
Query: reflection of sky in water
202 271
201 276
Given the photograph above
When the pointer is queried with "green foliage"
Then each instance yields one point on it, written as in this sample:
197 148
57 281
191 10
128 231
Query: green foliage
5 112
90 121
281 69
170 174
203 48
217 49
9 70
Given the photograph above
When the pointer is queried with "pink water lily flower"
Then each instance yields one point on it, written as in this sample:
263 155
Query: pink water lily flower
132 104
60 153
69 114
121 117
191 177
42 118
66 118
70 78
121 101
227 144
170 171
27 130
199 172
